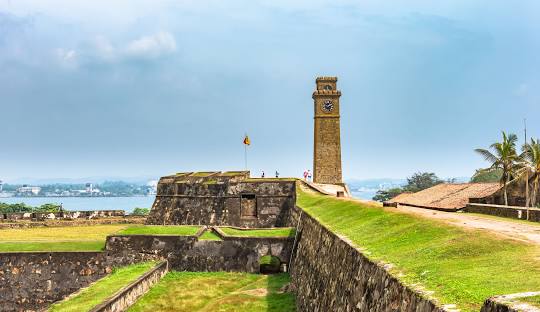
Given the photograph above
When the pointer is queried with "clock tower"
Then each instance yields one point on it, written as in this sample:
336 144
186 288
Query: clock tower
327 145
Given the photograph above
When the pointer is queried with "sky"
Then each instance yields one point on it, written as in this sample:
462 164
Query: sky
146 88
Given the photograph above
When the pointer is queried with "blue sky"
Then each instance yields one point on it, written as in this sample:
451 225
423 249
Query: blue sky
147 88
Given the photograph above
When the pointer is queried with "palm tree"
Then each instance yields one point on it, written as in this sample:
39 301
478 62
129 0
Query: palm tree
529 168
504 157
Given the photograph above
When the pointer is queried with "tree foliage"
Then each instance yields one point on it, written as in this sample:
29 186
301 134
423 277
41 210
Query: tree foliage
140 211
385 195
528 168
421 181
503 157
485 176
22 207
417 182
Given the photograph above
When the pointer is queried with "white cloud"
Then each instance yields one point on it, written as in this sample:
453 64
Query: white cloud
104 48
67 57
148 47
156 45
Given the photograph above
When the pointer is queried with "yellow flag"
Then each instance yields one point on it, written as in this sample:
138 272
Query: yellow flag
247 141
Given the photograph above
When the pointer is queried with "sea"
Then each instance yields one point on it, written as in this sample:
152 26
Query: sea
363 193
87 203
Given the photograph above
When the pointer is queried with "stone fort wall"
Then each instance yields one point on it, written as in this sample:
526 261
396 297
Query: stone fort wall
329 274
188 253
215 198
32 281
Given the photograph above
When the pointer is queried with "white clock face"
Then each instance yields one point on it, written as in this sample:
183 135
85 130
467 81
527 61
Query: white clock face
328 106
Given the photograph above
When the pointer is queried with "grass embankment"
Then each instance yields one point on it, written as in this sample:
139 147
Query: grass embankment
106 287
69 238
209 235
220 291
534 301
180 230
78 238
277 232
462 267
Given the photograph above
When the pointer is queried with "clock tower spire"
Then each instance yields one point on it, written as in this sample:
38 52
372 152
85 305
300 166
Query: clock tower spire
327 141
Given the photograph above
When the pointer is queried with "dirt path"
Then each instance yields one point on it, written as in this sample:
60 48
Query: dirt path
508 228
519 230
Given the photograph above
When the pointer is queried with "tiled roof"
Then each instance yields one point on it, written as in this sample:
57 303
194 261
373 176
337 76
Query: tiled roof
447 196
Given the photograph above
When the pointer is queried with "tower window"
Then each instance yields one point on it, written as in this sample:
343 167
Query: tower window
327 87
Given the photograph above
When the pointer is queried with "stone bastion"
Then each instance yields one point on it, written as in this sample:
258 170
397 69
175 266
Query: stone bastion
223 198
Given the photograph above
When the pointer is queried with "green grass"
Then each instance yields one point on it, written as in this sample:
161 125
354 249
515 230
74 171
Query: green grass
203 174
67 238
521 221
106 287
277 232
209 235
231 173
534 300
179 230
52 246
270 179
219 291
462 267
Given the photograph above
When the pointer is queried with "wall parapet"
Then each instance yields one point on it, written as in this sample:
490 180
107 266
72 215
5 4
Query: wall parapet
514 212
510 303
330 274
128 295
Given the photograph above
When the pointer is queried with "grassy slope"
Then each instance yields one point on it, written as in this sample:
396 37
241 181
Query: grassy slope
534 301
182 230
277 232
209 235
106 287
463 267
219 291
69 238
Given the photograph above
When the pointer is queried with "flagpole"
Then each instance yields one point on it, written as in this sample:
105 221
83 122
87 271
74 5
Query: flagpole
246 143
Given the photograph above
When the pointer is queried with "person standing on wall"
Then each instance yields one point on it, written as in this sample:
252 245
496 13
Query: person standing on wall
262 174
277 174
309 175
305 175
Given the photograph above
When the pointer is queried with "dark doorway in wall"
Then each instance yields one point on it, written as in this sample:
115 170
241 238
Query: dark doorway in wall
248 206
269 265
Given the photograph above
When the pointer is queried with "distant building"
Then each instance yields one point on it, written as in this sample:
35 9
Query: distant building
1 186
453 197
89 188
152 187
29 190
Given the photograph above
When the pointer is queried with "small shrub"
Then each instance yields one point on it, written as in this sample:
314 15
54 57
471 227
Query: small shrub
140 211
